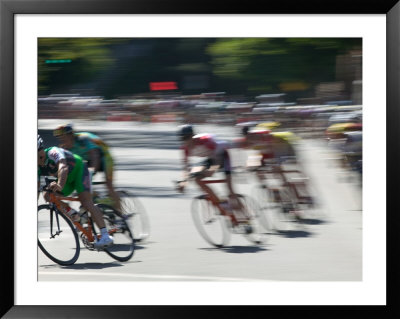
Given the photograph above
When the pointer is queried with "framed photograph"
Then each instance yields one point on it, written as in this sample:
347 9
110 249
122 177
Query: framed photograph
351 265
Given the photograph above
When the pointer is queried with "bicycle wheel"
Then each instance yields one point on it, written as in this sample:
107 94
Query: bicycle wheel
139 220
286 213
57 237
255 233
211 225
266 207
124 243
276 204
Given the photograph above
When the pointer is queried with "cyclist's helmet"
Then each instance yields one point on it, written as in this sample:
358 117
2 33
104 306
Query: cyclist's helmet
63 129
245 126
39 143
186 132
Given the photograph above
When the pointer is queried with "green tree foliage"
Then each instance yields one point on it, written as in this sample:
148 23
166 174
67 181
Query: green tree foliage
261 64
89 56
119 66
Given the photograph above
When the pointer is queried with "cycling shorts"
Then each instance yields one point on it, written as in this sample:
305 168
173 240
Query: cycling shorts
223 160
78 179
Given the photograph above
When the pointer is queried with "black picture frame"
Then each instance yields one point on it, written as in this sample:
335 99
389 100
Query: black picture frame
8 10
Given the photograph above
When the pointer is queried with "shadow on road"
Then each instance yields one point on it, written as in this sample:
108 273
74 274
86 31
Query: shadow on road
313 221
91 266
238 249
148 191
294 233
81 266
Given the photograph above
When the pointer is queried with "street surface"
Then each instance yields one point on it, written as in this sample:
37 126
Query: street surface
147 161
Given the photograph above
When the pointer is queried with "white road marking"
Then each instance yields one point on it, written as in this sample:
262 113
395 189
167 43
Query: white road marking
155 277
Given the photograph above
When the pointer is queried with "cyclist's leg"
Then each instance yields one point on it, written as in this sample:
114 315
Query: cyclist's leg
261 176
233 198
108 166
68 188
206 189
199 180
83 188
86 200
226 165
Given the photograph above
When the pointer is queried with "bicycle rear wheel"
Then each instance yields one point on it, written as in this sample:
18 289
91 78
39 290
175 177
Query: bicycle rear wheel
285 217
139 220
57 237
211 225
124 243
276 207
255 234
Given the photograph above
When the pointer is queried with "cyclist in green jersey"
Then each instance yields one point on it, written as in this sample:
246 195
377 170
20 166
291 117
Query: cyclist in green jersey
93 150
72 175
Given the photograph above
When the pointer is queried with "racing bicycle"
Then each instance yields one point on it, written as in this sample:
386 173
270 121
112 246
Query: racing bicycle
216 221
58 235
283 196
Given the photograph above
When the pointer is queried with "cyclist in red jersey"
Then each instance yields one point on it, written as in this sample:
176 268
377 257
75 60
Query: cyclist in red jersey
274 148
217 157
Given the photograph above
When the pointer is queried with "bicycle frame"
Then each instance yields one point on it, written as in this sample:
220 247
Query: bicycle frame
281 173
56 201
52 209
223 211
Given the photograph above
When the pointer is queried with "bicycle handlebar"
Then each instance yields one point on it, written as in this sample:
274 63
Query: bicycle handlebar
190 177
45 188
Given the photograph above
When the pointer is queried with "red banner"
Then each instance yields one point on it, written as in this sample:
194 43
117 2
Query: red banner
160 86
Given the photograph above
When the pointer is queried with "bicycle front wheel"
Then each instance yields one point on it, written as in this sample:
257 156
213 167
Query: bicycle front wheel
211 225
57 237
138 220
266 207
124 243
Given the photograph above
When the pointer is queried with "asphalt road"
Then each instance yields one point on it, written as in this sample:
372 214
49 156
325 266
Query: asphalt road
147 161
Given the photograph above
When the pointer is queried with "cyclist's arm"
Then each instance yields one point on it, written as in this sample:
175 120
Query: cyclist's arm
62 174
185 172
92 152
185 164
94 157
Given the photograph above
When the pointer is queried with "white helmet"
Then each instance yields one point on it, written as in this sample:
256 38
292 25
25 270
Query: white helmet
39 142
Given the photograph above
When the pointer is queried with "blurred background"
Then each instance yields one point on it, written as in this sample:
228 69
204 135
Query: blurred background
301 81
